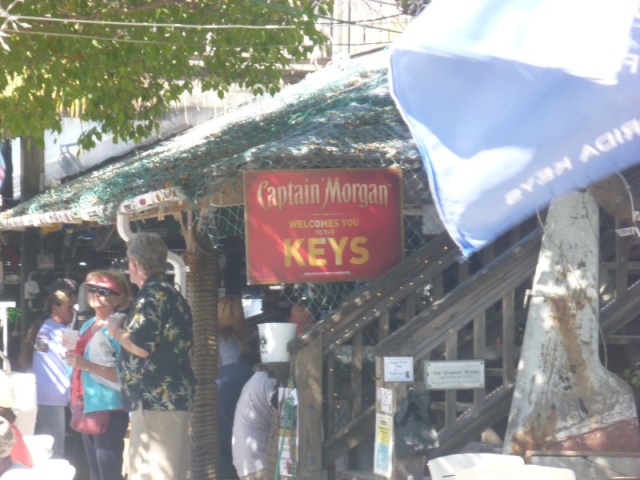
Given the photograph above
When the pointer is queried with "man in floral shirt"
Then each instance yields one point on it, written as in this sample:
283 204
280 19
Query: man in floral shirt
153 368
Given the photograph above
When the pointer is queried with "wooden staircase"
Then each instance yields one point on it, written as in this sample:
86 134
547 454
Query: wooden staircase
430 306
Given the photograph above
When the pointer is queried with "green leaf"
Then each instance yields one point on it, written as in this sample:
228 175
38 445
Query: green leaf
126 77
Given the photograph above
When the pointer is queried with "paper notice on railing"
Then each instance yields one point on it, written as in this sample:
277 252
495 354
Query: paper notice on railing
386 400
383 445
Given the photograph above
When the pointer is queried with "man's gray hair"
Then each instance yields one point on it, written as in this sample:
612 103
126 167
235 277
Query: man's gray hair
149 251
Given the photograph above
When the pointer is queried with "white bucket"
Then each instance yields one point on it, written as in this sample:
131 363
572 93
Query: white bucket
274 338
25 405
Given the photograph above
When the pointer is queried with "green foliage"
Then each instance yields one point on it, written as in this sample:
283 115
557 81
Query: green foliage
632 375
125 77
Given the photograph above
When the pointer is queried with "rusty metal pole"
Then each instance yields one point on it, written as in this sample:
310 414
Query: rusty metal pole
565 399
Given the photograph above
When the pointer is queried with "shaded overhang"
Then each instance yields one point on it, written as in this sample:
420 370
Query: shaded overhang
341 116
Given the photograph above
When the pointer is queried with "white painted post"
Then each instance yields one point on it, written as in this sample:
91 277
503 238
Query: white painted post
565 399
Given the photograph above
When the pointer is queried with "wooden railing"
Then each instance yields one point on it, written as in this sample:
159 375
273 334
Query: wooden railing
361 321
430 306
483 301
334 363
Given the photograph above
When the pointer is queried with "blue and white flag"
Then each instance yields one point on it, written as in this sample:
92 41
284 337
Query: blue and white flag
515 102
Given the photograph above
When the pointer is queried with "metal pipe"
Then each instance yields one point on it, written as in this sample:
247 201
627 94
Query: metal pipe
144 202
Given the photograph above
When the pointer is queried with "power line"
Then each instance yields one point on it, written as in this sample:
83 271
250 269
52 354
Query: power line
149 25
300 12
356 23
15 20
154 42
94 37
379 2
332 22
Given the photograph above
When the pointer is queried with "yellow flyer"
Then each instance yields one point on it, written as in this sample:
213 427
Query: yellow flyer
383 445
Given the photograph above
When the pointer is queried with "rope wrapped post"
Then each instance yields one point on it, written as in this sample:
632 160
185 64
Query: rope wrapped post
203 300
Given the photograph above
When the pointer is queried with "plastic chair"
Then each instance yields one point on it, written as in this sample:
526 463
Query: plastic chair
446 467
40 447
55 468
515 472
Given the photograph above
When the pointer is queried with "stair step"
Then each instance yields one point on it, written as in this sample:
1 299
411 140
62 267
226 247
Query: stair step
361 475
460 406
356 475
623 340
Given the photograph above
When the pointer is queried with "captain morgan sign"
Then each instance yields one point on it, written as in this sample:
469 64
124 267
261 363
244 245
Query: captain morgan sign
322 225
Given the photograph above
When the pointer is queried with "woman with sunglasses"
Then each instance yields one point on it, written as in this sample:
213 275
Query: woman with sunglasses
94 377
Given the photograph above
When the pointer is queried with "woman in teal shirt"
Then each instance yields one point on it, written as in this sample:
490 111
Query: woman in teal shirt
94 377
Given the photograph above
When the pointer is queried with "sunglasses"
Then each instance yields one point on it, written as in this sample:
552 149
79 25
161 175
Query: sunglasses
102 291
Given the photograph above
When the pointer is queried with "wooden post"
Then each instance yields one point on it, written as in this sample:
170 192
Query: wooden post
508 339
479 347
307 365
32 171
6 190
405 467
622 262
410 307
31 184
356 375
383 326
450 395
202 293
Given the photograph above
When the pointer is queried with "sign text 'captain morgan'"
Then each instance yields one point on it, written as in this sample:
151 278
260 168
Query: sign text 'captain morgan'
270 196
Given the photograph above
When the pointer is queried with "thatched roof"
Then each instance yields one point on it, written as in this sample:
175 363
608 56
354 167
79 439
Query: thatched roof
342 116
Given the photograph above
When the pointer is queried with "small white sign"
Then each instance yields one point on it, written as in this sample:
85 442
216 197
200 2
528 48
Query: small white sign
454 374
398 369
386 400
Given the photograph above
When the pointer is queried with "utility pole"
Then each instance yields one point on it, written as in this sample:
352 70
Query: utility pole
565 400
31 184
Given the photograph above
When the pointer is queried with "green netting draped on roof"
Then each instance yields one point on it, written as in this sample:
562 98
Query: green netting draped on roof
339 117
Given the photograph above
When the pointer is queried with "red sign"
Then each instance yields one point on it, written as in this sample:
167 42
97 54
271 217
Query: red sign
322 225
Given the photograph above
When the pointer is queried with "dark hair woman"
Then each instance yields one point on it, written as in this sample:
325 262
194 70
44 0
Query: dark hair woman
43 354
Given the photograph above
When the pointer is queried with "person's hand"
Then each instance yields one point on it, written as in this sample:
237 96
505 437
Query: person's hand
114 322
77 361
